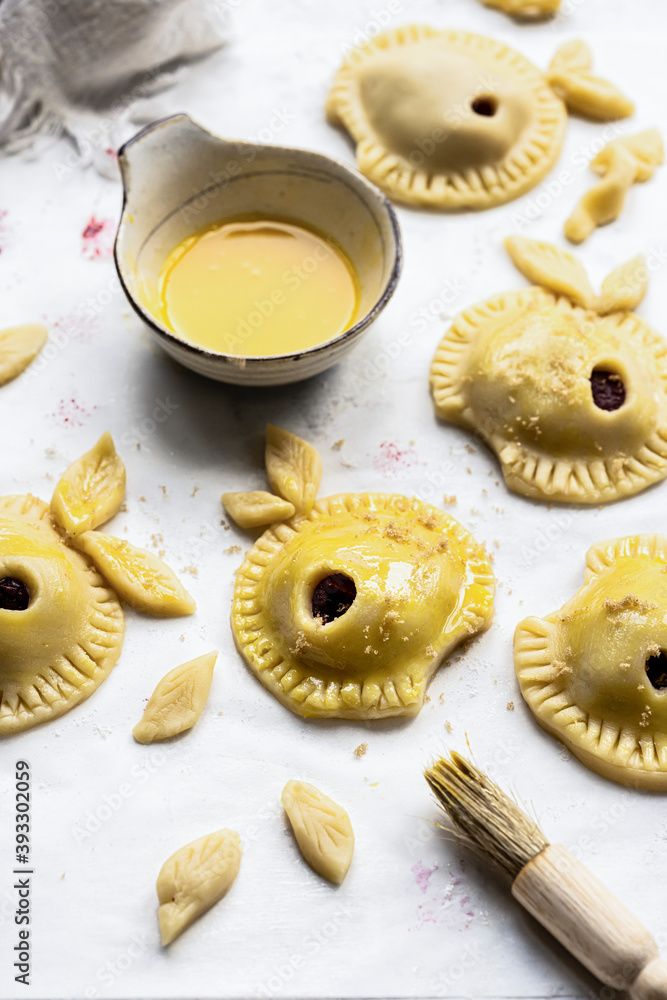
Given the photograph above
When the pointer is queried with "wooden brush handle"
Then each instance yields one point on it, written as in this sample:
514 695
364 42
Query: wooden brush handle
574 906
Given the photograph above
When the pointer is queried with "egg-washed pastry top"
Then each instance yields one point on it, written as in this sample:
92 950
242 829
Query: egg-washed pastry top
452 119
595 673
569 389
61 622
348 607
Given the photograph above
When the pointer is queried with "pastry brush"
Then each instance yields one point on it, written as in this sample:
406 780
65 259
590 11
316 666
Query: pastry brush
549 882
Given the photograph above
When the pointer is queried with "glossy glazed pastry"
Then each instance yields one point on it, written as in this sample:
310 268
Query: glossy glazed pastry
450 119
595 673
569 389
349 610
61 623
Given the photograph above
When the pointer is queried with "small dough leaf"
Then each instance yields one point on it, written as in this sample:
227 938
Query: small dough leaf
194 879
625 287
177 701
574 55
645 148
590 96
92 489
294 468
322 829
551 267
621 163
526 10
253 510
140 579
19 346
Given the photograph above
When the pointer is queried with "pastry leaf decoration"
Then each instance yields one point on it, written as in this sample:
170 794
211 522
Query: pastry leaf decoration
583 93
258 508
177 701
139 578
322 829
572 57
19 346
553 268
526 10
193 879
91 491
624 288
621 163
294 468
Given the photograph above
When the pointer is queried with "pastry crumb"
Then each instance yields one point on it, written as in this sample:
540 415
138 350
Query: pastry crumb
450 498
628 603
231 550
448 726
360 750
192 570
337 445
510 706
195 491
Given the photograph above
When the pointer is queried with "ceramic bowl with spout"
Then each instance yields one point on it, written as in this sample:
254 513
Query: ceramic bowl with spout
178 178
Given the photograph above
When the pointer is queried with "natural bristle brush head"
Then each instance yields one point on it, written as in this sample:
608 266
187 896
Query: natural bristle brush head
487 817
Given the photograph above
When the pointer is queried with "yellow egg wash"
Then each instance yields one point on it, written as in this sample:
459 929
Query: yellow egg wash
257 286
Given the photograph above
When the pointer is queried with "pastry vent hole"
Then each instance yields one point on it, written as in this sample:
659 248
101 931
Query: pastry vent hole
608 389
14 595
656 670
485 105
332 597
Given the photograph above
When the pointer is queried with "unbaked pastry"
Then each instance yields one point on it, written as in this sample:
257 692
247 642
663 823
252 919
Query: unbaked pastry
526 10
570 391
595 673
322 829
621 163
177 701
350 609
61 624
19 346
193 879
450 119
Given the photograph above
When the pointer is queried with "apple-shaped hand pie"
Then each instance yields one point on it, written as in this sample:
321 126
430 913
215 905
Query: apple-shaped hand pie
61 622
450 119
348 607
595 673
568 389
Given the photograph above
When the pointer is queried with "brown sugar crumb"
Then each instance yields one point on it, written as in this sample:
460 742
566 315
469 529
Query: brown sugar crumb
510 706
371 518
301 643
628 603
360 750
427 697
231 550
392 530
448 726
164 491
337 445
430 650
195 491
450 498
192 570
123 508
143 499
443 545
429 520
561 668
442 697
645 719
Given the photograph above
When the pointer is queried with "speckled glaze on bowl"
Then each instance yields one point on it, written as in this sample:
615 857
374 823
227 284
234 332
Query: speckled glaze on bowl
178 177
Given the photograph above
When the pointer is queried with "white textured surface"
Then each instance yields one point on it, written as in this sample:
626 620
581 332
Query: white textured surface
392 930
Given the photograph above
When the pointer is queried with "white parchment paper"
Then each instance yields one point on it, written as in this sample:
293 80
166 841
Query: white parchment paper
417 916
